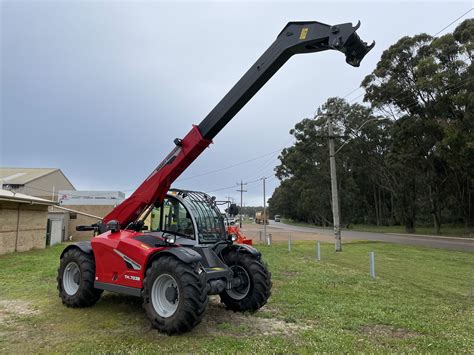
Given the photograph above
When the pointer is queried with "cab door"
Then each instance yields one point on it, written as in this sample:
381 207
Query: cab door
173 217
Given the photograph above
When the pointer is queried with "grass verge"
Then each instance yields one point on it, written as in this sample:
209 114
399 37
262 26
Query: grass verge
421 301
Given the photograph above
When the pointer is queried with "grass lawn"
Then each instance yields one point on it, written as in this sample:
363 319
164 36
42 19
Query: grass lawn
449 231
421 301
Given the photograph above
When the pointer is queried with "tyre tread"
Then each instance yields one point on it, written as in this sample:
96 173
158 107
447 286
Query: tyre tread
260 278
193 291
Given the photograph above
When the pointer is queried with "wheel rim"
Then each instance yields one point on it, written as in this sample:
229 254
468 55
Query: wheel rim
165 295
71 278
240 292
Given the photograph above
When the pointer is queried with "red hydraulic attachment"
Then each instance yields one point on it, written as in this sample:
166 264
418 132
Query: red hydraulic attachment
241 239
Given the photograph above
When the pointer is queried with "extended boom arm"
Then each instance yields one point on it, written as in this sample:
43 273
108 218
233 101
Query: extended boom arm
296 37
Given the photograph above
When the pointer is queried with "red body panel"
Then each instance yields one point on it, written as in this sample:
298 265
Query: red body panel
155 187
111 267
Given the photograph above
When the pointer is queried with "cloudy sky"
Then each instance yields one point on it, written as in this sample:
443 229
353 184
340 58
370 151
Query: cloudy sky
101 88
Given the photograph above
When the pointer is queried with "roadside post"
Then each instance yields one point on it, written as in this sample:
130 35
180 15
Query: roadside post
318 251
289 243
372 264
269 239
265 219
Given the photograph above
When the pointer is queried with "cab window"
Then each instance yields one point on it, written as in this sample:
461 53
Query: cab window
174 218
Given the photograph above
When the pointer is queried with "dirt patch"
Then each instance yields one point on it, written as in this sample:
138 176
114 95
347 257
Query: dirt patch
387 331
220 321
14 308
289 273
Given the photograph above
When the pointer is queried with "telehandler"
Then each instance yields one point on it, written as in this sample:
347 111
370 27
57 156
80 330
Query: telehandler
189 256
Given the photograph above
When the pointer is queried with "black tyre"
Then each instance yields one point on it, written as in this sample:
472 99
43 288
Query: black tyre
174 295
76 276
256 283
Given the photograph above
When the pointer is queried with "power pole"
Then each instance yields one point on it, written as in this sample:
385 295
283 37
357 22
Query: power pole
335 197
241 199
264 213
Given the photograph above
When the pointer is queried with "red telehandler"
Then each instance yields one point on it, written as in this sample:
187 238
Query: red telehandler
189 256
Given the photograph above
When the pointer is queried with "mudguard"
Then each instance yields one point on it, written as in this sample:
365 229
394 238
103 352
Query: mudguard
85 246
244 248
184 254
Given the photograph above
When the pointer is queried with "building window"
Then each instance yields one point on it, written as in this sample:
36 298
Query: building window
72 215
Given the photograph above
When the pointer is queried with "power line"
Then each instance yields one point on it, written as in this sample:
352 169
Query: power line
459 84
247 183
460 17
221 189
362 94
229 166
353 91
446 88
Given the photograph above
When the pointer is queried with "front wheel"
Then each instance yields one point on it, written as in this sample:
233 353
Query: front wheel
174 295
255 282
76 276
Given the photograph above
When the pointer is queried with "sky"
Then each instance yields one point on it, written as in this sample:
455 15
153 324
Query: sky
100 89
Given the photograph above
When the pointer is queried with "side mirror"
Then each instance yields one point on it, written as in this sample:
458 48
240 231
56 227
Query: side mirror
113 226
232 237
82 228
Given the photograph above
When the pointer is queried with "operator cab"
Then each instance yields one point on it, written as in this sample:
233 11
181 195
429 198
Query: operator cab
193 217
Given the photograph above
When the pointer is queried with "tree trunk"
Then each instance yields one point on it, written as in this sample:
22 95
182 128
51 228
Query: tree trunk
392 210
410 206
434 211
377 212
380 207
409 225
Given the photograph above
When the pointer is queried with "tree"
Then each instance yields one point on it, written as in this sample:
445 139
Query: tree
425 84
305 193
410 155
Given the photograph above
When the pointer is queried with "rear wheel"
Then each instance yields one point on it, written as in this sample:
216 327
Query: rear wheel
174 295
75 279
255 282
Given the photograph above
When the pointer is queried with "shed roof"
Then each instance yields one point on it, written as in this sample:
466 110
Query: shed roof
22 176
6 195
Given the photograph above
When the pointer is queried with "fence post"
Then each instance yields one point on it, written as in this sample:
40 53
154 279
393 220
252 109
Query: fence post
318 251
260 235
289 243
372 264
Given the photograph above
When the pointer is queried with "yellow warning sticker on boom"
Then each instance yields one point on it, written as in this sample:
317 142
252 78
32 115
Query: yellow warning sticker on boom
304 32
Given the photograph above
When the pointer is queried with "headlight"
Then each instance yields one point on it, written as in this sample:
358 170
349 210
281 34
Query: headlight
170 238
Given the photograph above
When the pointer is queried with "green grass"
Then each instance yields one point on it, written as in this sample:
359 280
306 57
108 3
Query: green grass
448 230
421 301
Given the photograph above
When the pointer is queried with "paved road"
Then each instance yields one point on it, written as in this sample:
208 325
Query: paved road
426 241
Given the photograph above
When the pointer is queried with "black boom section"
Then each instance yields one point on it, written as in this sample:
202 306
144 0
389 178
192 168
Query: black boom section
296 37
